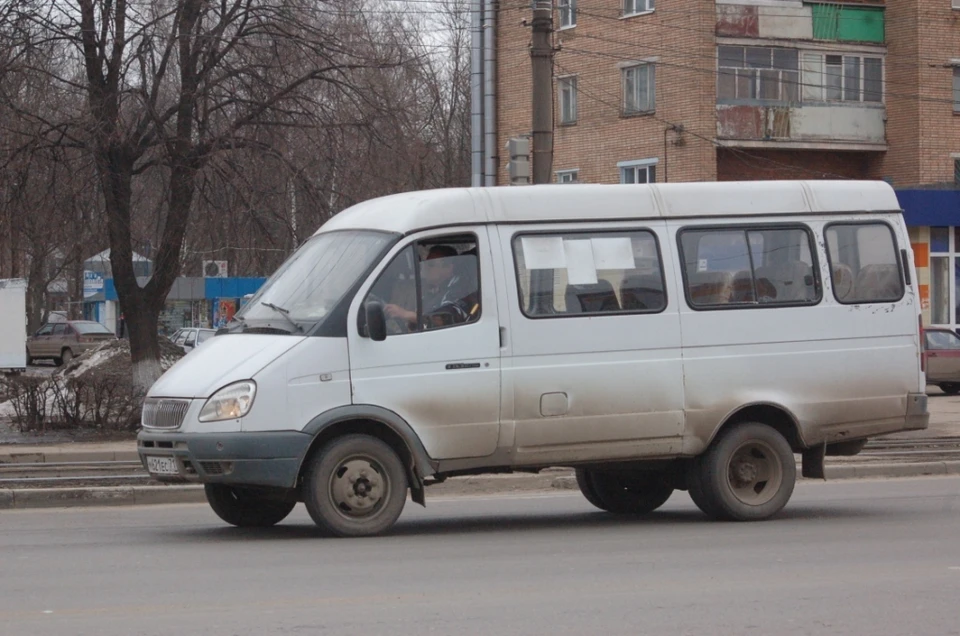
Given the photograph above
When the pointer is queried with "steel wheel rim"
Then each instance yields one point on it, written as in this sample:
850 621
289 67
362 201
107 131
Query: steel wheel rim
755 473
359 487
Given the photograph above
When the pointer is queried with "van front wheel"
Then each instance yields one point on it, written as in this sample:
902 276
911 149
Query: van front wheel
355 486
630 493
245 509
747 474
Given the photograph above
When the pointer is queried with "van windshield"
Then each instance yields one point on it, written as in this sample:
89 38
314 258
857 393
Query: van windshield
312 282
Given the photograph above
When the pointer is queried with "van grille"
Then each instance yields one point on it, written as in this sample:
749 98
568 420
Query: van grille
165 414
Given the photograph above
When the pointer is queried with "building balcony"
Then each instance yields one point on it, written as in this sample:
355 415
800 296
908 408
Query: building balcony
855 127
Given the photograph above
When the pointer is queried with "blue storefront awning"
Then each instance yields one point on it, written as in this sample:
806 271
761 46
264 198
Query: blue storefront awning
199 288
930 207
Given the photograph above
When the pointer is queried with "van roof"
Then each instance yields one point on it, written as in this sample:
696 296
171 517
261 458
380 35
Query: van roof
411 211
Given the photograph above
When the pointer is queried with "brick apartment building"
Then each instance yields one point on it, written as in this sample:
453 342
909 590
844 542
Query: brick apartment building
698 90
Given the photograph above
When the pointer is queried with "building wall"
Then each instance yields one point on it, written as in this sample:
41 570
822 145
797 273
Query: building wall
939 132
918 38
751 165
678 40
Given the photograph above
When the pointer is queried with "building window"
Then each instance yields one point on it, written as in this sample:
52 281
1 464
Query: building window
568 13
956 171
944 276
639 89
726 268
568 176
589 273
956 89
636 7
567 92
758 73
642 171
846 78
956 4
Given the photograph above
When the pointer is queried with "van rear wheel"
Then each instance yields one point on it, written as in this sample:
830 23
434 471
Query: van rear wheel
355 486
747 474
950 388
245 509
626 492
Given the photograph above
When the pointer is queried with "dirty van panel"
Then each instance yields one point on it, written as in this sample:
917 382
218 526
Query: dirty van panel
439 366
595 368
843 365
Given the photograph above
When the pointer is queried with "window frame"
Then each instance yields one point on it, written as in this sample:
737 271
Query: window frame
649 7
638 163
756 80
746 228
567 84
896 253
566 9
517 236
861 78
651 81
572 171
438 238
956 90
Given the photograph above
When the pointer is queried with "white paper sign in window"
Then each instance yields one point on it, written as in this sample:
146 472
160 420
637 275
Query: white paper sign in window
613 253
543 252
580 264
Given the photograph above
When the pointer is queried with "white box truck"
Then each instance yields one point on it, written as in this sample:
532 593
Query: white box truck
13 325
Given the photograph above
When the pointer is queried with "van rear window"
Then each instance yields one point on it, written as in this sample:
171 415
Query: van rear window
732 267
589 273
864 266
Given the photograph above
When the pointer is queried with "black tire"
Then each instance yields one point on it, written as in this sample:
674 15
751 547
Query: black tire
245 509
356 486
950 388
626 493
747 474
29 359
66 357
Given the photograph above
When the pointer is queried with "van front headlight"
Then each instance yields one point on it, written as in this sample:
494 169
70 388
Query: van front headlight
229 403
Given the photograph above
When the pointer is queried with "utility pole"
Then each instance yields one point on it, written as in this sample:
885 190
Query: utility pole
541 62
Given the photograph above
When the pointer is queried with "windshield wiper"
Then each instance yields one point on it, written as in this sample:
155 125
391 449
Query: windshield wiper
283 312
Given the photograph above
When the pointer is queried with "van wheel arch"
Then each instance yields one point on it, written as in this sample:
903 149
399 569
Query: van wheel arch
776 417
386 426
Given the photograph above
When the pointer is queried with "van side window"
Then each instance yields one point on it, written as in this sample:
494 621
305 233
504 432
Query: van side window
863 263
587 273
431 284
747 267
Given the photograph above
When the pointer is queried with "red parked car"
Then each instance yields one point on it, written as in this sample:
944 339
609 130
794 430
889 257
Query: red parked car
943 359
61 341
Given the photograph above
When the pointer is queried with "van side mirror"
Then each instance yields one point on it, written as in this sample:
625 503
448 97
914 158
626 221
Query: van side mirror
376 321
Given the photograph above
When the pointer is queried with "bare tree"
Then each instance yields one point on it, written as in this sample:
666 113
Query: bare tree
171 84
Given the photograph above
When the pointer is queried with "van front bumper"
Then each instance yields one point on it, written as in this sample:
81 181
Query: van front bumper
251 459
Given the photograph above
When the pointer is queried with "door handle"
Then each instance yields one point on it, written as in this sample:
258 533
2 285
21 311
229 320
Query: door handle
456 366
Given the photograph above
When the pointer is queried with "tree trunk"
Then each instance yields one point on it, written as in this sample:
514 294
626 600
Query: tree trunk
140 317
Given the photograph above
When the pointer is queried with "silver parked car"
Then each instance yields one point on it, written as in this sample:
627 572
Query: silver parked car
189 338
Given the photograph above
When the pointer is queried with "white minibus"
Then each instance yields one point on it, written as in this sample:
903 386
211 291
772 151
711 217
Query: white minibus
690 336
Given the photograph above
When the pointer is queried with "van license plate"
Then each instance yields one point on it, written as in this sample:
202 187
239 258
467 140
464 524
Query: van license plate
162 466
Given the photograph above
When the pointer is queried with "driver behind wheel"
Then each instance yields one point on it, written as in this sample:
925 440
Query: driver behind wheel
445 299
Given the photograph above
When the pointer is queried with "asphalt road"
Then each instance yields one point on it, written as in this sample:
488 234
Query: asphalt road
872 557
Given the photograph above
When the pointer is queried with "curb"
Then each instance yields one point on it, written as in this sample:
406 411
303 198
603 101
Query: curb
69 456
21 499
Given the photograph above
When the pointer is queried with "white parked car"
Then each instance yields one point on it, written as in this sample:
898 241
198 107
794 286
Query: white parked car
189 338
689 336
